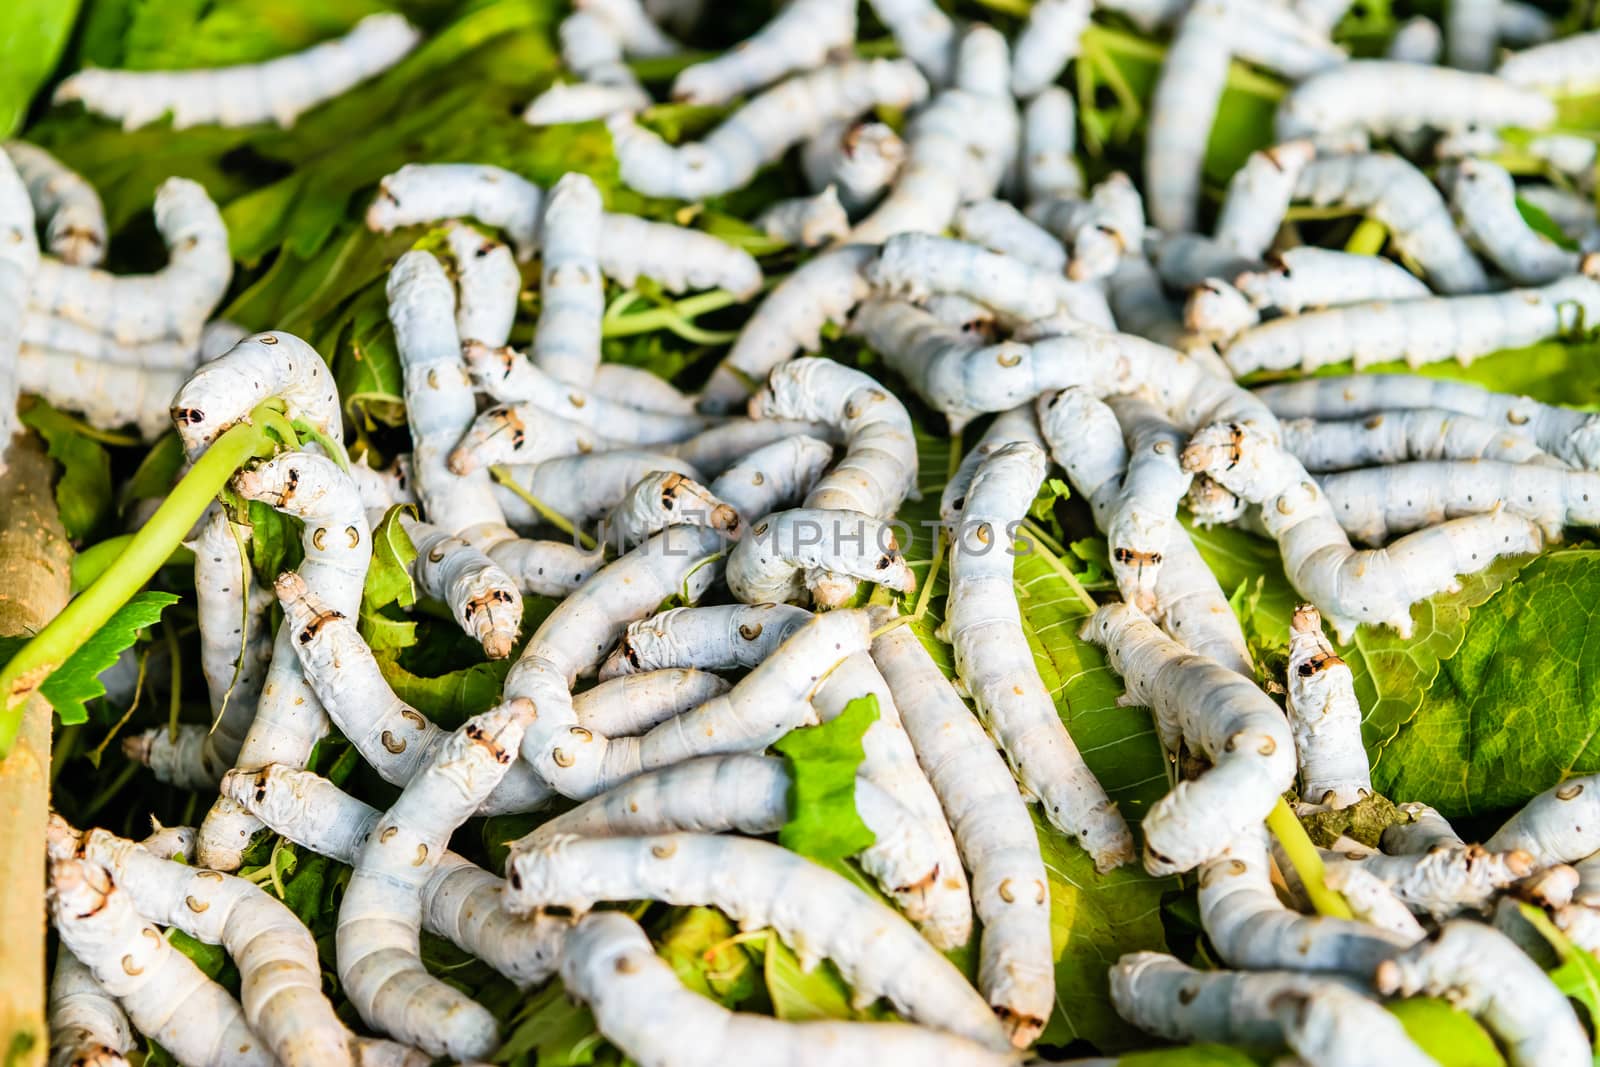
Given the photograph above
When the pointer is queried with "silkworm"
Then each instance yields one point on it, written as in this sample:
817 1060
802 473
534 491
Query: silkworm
1018 424
641 1006
762 129
460 900
1139 305
922 32
1187 259
1101 231
52 333
223 392
1480 971
639 388
718 449
1305 278
1049 143
73 216
1338 1027
524 434
87 1025
1325 717
483 598
1049 39
1258 196
1401 197
19 261
1421 830
1420 331
566 341
802 36
1277 38
1418 40
279 90
1144 518
1552 826
806 221
1382 97
636 703
638 31
576 102
818 913
1372 901
859 159
999 226
166 996
592 48
1214 710
1444 880
1188 92
377 937
1470 33
1520 24
1347 586
662 499
1485 198
583 487
1563 66
487 282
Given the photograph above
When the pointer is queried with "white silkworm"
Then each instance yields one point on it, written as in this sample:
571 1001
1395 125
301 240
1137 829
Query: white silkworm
51 333
393 737
1372 901
1218 312
1325 717
637 30
566 341
377 938
806 221
992 658
575 102
1170 999
1571 436
523 434
460 900
1144 519
426 192
662 499
1018 424
802 36
1427 330
1480 971
1422 830
640 1005
637 703
1338 1027
1581 923
639 388
1470 33
1188 259
1563 66
922 31
1107 227
1381 502
19 262
790 320
88 1028
278 90
859 159
1554 827
1258 196
1521 24
762 129
1401 197
73 216
174 302
592 48
583 487
1347 586
998 225
483 598
223 392
1139 305
1382 97
1278 38
1307 277
914 266
992 829
1485 198
983 73
489 284
1049 141
818 913
1199 702
1418 40
1188 92
1443 880
749 794
1049 39
720 448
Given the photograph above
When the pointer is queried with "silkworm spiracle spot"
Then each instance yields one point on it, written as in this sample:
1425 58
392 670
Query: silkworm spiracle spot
269 340
414 718
319 538
421 856
1186 995
130 968
1006 893
353 535
436 555
626 965
1009 359
195 905
664 850
394 744
1040 893
563 758
750 631
1569 792
210 876
580 733
388 833
985 534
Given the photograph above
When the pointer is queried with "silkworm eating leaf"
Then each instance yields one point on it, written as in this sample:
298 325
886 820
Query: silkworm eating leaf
823 822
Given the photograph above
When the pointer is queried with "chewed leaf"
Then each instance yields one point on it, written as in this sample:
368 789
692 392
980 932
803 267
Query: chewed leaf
802 996
699 944
389 575
551 1029
823 822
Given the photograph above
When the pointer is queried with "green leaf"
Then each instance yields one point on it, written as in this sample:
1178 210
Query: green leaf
77 681
823 823
159 470
1448 1034
1577 972
1193 1056
274 539
32 36
1517 709
211 959
1540 222
798 996
83 493
697 944
557 1030
389 575
448 699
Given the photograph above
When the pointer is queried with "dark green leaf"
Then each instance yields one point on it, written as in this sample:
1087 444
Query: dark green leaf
1539 222
823 823
274 540
211 959
83 493
448 699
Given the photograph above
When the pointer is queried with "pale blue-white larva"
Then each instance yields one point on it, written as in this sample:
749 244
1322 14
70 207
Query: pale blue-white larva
68 207
800 37
1325 717
566 341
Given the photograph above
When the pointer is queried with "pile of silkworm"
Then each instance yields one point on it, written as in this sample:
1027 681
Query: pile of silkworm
1095 329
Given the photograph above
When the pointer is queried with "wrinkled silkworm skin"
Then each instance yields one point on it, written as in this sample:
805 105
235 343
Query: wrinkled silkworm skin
524 434
583 487
1485 198
51 333
1049 39
993 660
279 90
1587 891
790 320
1211 505
992 828
719 449
1382 97
816 912
679 259
1008 427
662 499
483 598
1170 999
1349 586
380 919
566 341
1140 305
511 379
639 388
109 396
1338 1027
224 391
780 556
1570 436
1424 830
1445 880
460 900
1250 928
1277 38
1049 142
1556 826
1144 519
1401 197
860 159
166 996
420 193
1187 259
1373 901
1306 278
915 266
761 130
636 703
1109 225
1218 312
1557 67
640 1005
171 304
280 977
73 216
1187 94
1378 503
1201 703
1324 716
999 226
1258 195
1470 32
1478 970
747 794
1418 40
1580 922
561 105
88 1028
802 36
489 284
923 32
395 738
806 221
